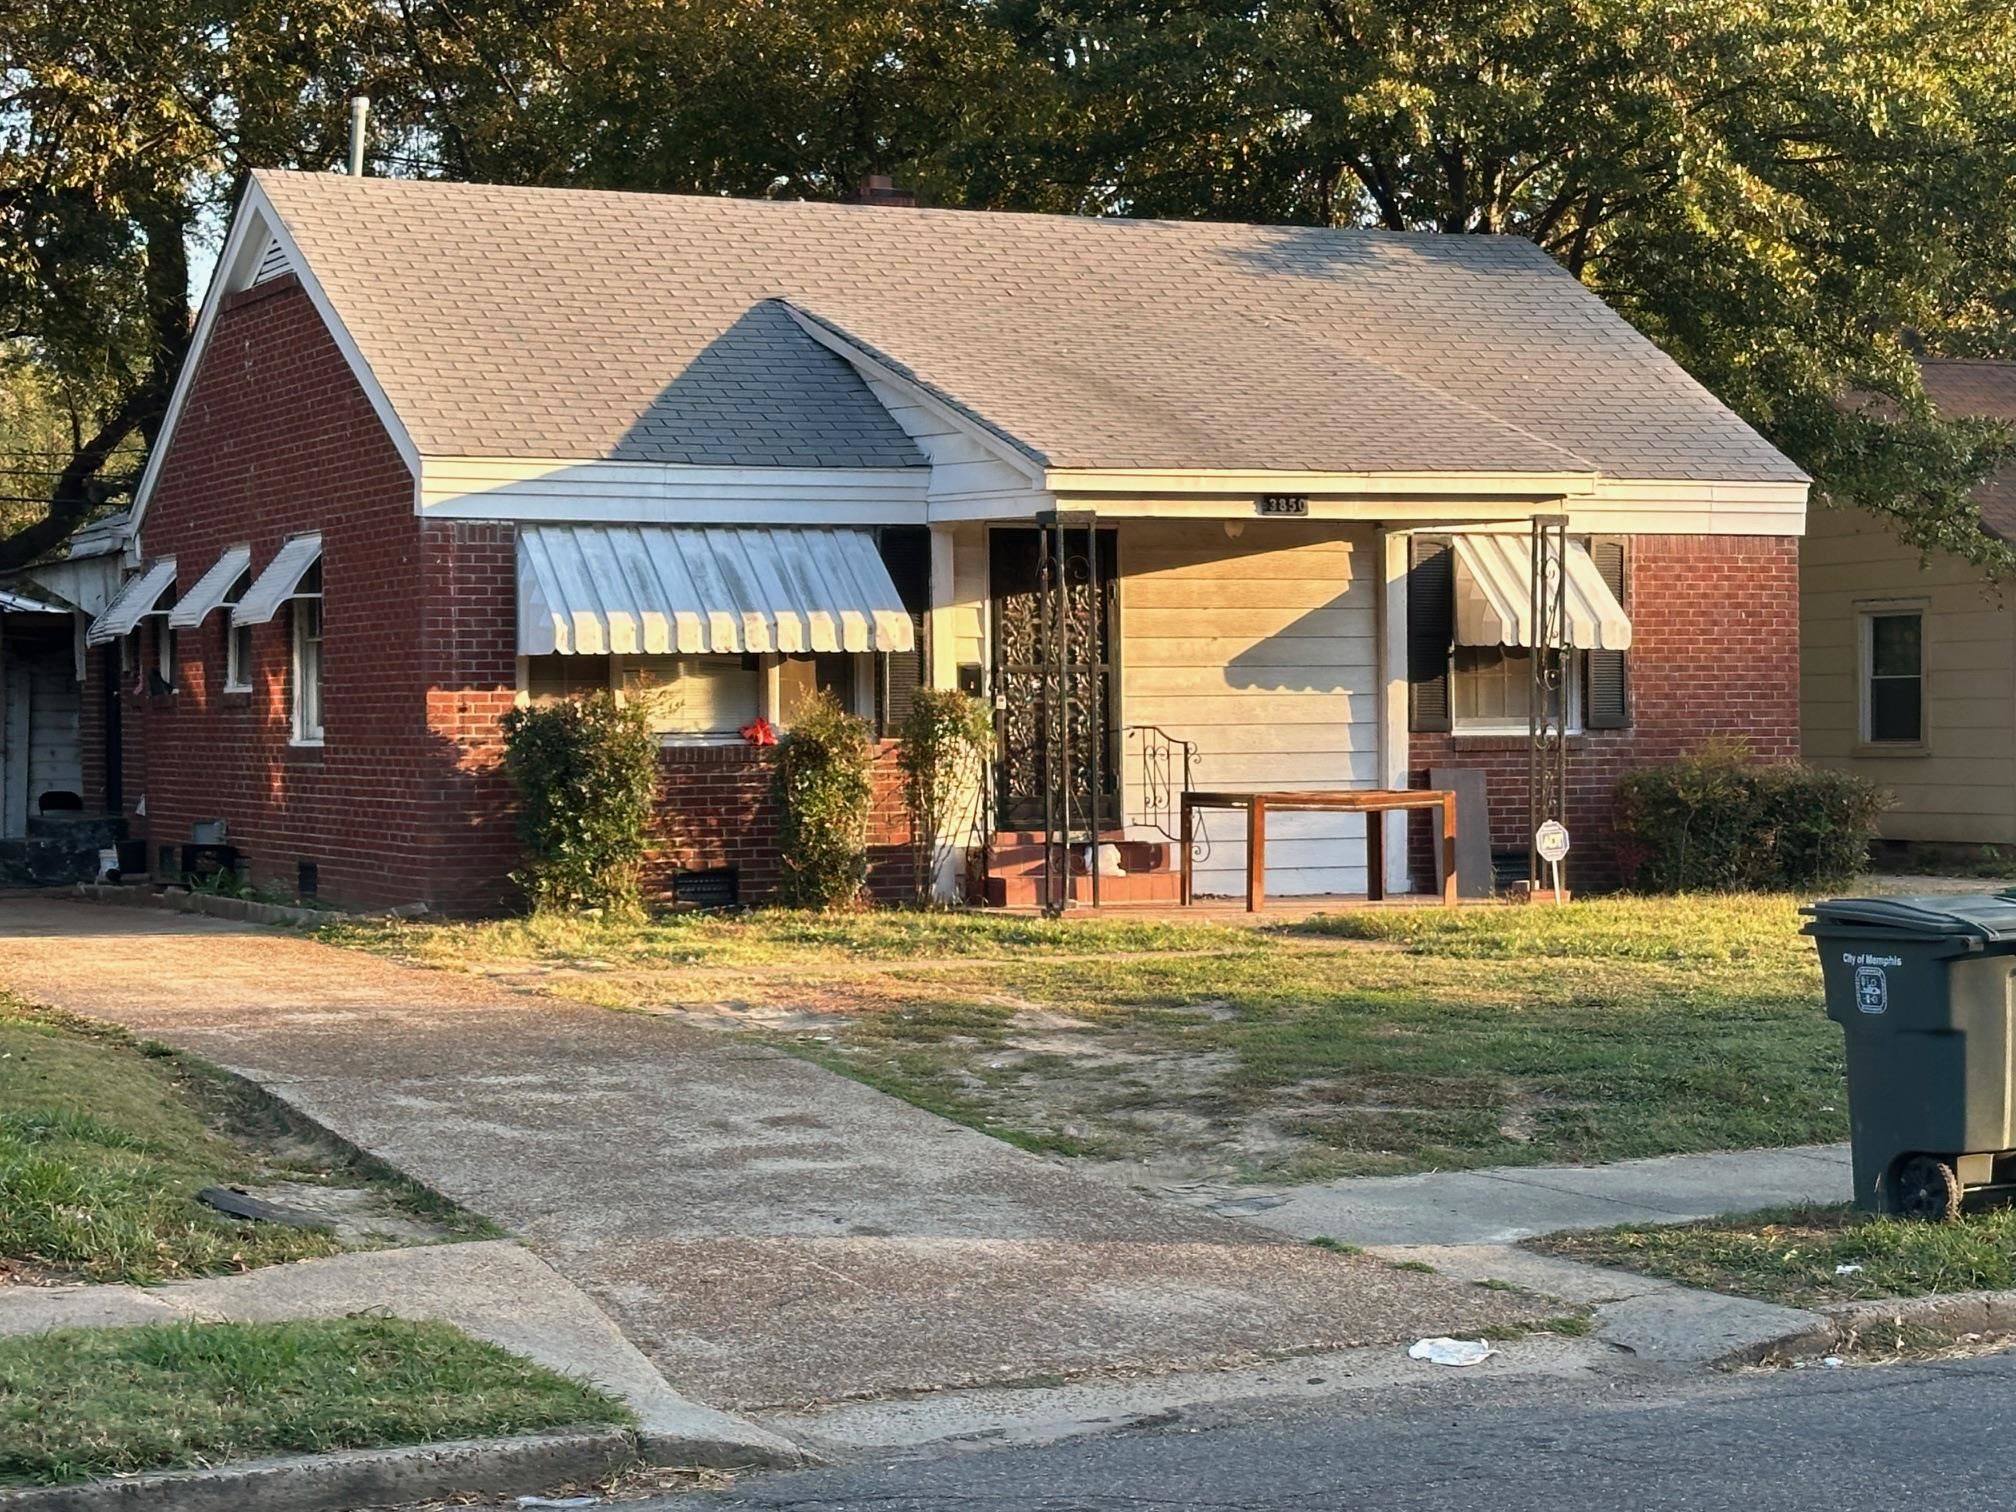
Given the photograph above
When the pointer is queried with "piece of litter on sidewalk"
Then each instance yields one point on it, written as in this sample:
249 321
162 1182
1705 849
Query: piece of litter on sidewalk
559 1501
1450 1351
1846 1270
1831 1362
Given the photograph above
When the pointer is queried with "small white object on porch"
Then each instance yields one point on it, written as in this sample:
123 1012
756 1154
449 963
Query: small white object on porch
1494 596
594 590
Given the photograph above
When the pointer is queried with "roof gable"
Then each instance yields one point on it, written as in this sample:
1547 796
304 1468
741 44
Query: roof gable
577 324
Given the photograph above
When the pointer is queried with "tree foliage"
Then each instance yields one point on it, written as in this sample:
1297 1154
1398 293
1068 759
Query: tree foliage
1786 195
1791 197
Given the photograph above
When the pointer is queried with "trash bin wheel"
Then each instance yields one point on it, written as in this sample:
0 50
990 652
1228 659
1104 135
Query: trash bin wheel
1926 1187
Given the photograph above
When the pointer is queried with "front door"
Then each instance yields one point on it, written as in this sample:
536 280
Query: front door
1021 648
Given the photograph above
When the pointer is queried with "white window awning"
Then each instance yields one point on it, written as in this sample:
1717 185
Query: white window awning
211 589
279 582
1494 596
592 590
133 602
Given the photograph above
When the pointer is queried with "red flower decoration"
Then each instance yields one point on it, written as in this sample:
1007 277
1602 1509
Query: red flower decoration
760 732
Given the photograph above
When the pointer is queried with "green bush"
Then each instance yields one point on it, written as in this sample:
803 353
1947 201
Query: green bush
586 770
944 740
825 790
1715 820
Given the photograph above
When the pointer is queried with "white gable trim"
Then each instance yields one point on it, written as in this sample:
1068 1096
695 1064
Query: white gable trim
256 231
589 491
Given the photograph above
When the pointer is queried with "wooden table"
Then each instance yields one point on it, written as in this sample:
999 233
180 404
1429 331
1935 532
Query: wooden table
1373 803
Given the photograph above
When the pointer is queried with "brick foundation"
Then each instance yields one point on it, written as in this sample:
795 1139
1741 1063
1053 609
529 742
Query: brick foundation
1714 652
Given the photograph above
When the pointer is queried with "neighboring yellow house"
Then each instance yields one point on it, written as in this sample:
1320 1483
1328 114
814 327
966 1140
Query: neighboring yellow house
1908 668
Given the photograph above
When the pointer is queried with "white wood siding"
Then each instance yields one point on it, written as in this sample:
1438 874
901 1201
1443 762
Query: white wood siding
1264 651
964 468
1962 787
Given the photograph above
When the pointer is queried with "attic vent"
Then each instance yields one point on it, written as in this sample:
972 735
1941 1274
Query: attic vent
273 264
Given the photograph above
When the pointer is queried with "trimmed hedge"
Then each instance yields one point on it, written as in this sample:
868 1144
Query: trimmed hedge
826 790
586 770
1715 820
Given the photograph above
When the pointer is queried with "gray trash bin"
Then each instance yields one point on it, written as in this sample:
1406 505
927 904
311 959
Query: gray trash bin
1924 988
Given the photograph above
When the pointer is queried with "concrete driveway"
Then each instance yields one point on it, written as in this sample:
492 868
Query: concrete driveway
768 1233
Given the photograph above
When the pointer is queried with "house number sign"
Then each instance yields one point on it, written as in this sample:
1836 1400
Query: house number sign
1283 504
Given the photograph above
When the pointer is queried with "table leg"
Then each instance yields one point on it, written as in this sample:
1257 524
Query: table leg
1449 889
1188 829
1375 855
1256 855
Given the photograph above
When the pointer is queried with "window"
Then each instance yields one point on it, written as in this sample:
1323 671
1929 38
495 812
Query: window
237 658
1893 676
550 677
799 677
307 615
164 655
237 642
1491 689
695 695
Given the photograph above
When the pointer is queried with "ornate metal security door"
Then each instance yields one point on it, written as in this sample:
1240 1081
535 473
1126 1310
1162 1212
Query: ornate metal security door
1053 677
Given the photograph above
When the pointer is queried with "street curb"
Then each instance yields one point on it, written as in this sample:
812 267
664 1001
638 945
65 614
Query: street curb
349 1478
1955 1312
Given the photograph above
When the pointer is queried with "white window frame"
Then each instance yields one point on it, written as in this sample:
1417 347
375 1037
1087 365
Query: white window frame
1867 612
237 664
164 651
769 693
305 732
1521 727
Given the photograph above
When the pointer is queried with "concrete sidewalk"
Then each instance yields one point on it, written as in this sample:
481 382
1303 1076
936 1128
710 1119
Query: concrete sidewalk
1507 1203
769 1234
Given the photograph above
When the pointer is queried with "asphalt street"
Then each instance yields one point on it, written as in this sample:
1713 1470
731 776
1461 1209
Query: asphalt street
1938 1435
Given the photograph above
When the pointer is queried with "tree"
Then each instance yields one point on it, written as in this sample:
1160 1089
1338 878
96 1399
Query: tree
124 135
1787 195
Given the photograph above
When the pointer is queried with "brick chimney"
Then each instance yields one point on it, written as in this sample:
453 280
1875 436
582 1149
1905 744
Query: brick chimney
880 189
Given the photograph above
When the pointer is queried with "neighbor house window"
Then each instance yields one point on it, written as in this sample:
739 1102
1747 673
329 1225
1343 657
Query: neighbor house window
1491 690
307 614
1893 676
704 697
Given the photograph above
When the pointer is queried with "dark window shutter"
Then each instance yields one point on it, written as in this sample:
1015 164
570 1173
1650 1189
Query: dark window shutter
1608 704
1431 628
906 552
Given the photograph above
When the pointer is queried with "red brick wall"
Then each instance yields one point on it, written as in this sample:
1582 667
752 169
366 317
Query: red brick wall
1714 651
715 808
277 438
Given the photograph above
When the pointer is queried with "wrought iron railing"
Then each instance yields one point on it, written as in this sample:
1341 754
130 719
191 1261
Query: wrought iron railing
1162 768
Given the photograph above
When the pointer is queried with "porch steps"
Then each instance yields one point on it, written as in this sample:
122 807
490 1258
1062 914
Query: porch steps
1015 872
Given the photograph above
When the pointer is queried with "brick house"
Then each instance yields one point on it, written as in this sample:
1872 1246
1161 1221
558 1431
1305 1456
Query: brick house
441 448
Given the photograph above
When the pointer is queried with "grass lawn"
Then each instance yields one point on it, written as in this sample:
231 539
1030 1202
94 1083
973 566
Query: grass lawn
1364 1042
104 1144
106 1401
1793 1255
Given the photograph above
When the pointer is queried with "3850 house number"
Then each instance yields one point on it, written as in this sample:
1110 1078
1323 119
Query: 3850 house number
1282 504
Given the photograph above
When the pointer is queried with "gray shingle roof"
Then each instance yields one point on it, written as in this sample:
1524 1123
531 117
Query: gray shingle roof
577 324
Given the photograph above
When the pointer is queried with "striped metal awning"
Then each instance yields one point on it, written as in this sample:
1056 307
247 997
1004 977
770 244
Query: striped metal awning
1494 596
591 590
133 603
211 589
279 581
